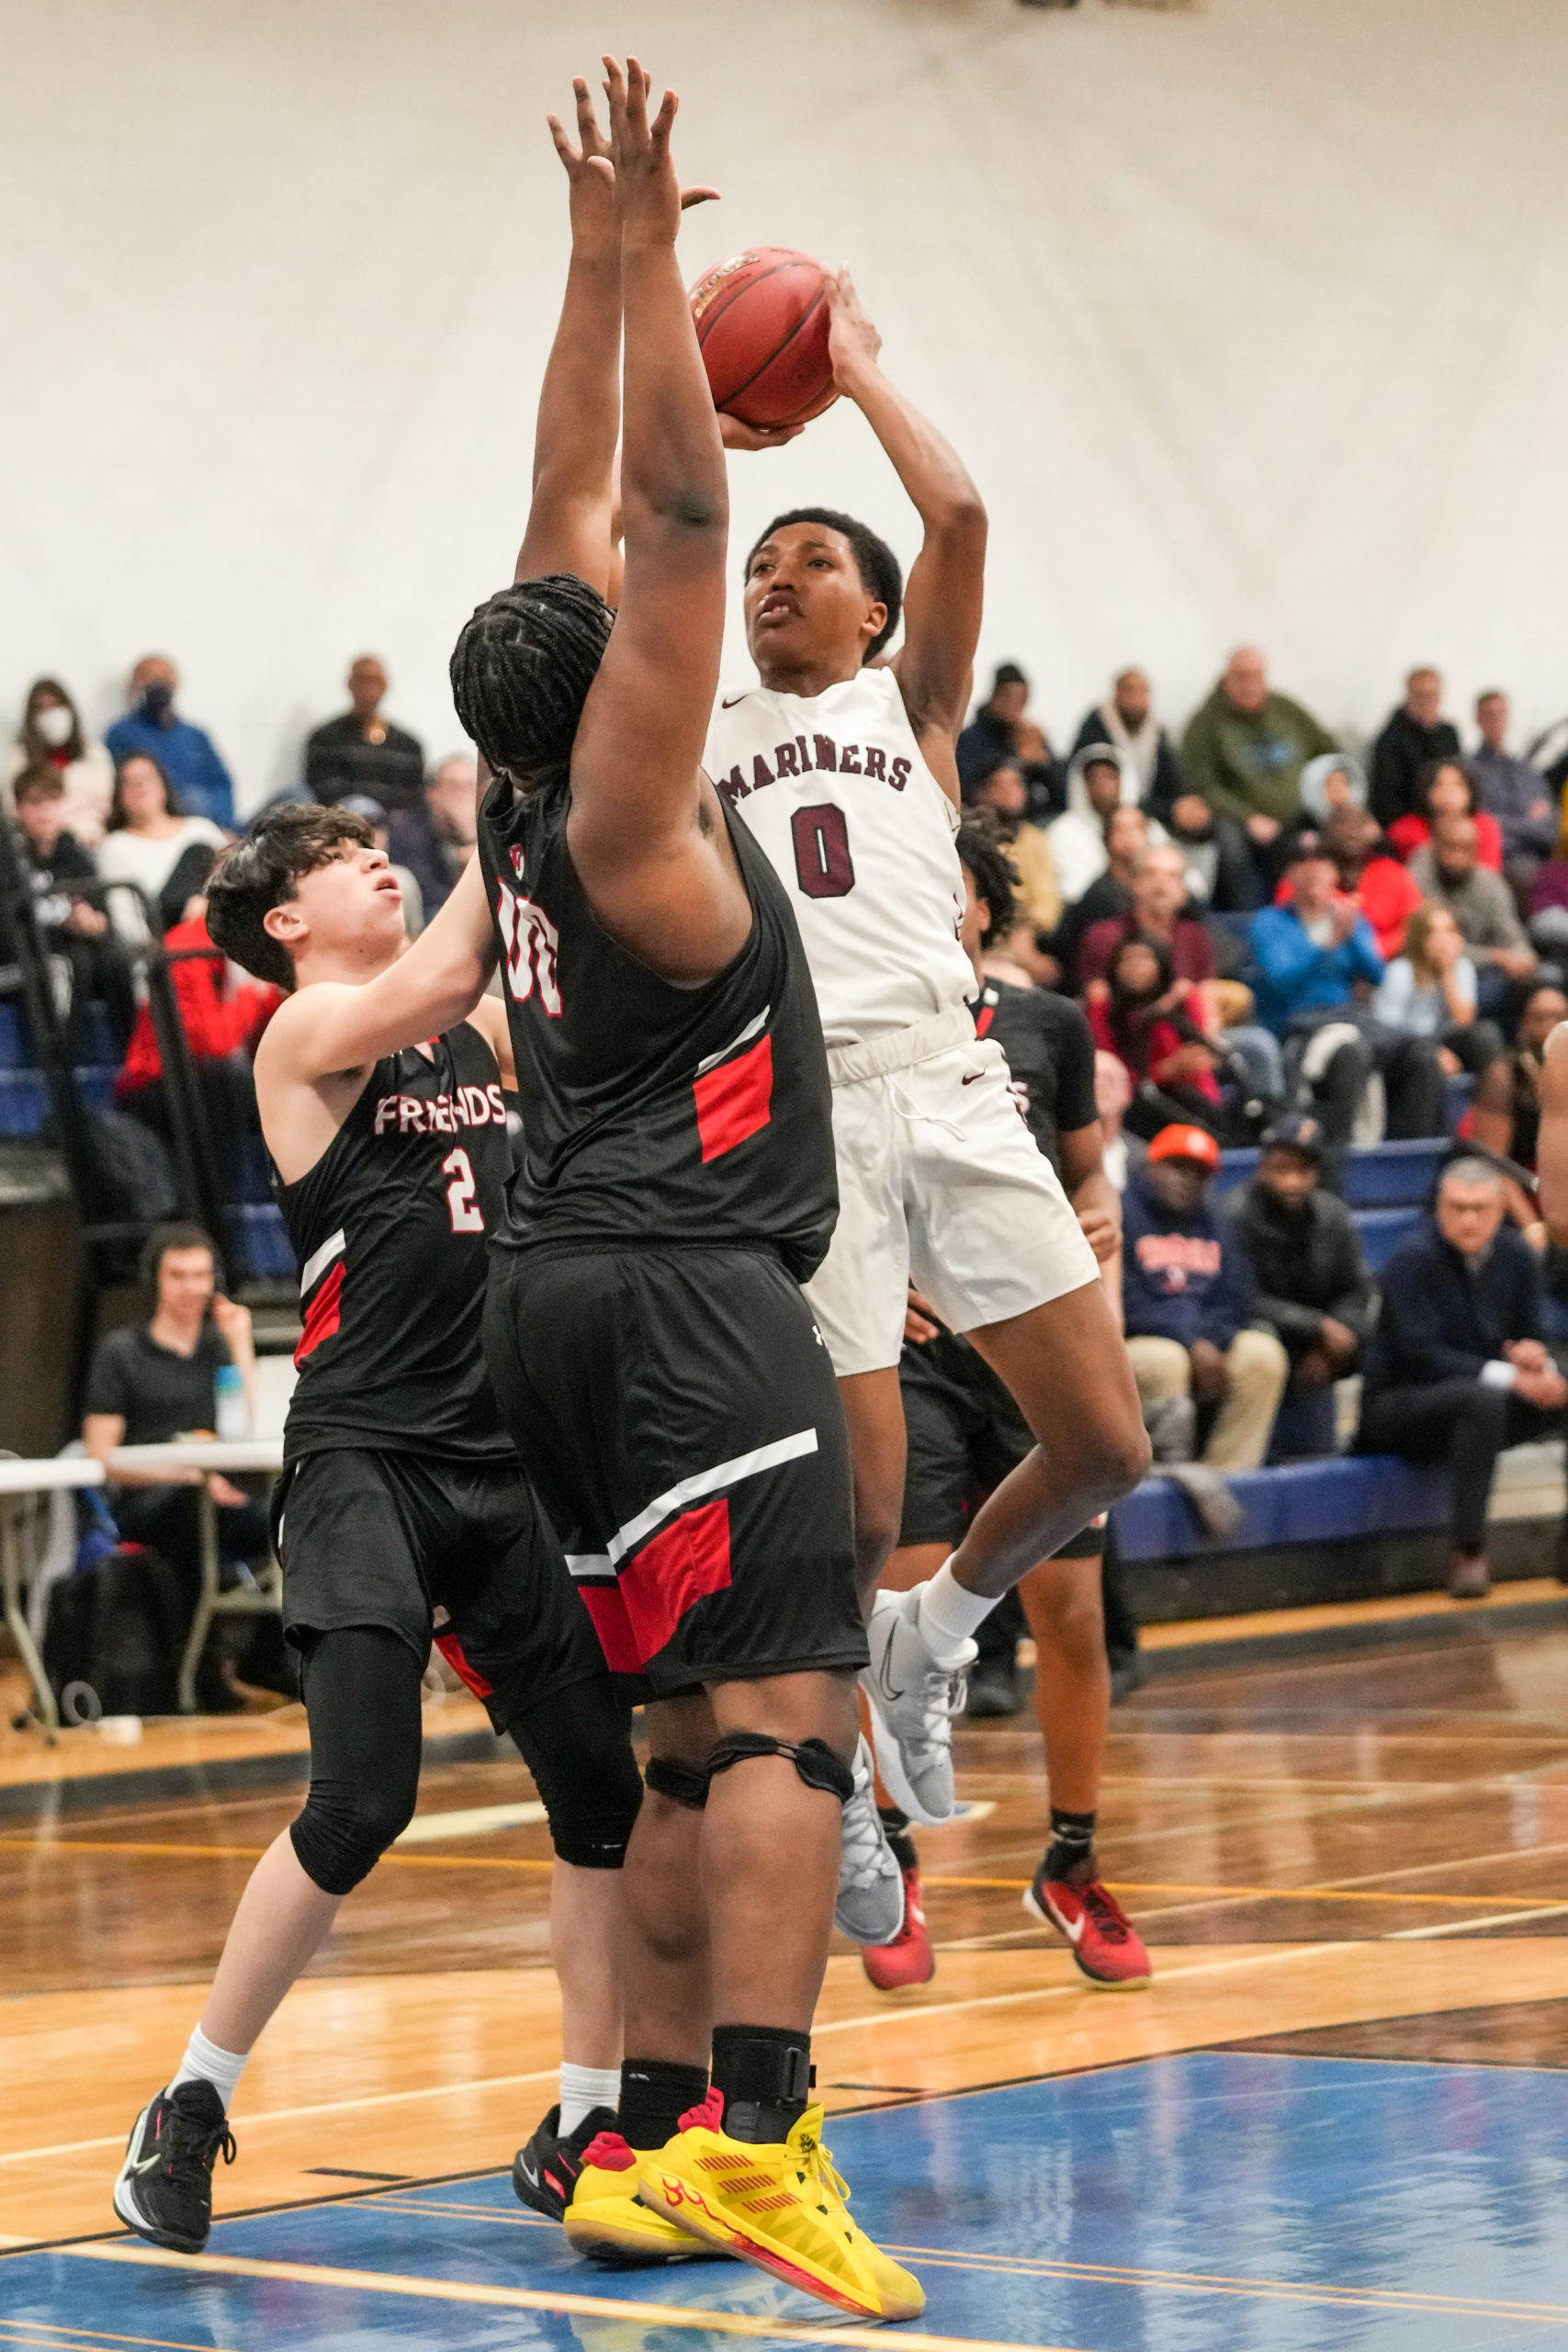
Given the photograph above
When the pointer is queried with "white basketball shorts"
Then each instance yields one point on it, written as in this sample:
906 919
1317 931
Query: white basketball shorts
941 1182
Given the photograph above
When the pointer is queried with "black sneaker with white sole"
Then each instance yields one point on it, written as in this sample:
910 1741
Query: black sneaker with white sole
544 2172
165 2188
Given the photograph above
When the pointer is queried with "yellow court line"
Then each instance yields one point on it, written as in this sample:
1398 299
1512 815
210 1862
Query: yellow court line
1522 1903
254 1853
1026 2265
527 2298
82 2339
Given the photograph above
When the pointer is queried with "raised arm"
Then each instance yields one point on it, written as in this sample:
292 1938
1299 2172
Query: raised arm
580 402
337 1026
638 829
944 598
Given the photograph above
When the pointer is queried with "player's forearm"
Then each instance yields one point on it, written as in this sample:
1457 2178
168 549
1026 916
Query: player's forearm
939 484
672 475
580 402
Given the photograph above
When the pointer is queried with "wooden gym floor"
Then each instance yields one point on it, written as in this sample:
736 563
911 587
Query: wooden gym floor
1352 1869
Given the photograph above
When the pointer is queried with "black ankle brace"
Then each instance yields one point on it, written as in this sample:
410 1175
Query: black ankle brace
766 2075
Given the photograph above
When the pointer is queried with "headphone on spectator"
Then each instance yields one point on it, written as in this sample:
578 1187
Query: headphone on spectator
178 1234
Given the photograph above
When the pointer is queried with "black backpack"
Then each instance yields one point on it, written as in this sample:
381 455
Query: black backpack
119 1627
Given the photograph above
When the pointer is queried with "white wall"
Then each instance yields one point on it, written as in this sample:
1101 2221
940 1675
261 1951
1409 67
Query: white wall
1251 322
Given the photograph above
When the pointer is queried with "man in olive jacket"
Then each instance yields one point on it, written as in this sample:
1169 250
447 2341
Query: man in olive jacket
1308 1266
1246 747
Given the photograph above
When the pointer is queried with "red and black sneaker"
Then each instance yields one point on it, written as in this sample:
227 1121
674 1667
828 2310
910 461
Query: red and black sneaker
1106 1946
544 2172
908 1960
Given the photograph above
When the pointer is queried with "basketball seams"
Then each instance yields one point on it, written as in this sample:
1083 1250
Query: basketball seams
721 303
774 356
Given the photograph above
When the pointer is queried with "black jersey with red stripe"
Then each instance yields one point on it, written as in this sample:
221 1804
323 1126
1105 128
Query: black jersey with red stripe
651 1112
1050 1051
389 1231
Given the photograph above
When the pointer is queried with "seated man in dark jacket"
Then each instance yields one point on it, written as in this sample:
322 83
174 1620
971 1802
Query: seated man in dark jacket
1187 1301
1458 1367
1308 1268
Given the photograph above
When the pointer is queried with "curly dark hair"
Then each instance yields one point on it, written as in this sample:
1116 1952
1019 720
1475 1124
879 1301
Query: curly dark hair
260 871
880 575
994 875
521 671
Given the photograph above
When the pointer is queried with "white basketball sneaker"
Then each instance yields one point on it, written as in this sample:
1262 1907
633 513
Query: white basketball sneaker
870 1908
913 1700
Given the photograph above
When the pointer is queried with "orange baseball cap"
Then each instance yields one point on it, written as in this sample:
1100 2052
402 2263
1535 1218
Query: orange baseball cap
1187 1143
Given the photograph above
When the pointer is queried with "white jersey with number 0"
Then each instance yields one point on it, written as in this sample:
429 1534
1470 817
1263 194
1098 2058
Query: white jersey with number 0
834 787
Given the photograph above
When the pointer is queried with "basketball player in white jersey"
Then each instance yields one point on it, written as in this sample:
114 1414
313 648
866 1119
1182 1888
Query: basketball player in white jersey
844 769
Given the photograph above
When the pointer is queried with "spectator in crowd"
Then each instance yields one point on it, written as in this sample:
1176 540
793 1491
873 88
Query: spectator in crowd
1220 874
1001 788
435 838
51 736
152 843
1002 730
1305 1254
1153 1024
1187 1300
1515 793
1245 749
155 1381
1380 884
1507 1100
183 754
1458 1368
1317 962
1547 908
1427 1001
1414 738
70 927
1447 871
1126 718
223 1018
1126 839
363 753
1447 790
1098 780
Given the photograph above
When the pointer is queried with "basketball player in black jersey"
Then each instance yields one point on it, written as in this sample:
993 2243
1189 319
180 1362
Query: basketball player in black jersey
652 1352
401 1511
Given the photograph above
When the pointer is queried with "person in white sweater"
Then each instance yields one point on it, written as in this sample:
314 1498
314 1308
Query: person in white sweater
149 834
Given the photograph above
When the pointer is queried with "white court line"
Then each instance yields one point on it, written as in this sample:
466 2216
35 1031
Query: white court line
1465 1926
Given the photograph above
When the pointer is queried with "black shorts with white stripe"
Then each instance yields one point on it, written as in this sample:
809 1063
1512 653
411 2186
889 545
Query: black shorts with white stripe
678 1415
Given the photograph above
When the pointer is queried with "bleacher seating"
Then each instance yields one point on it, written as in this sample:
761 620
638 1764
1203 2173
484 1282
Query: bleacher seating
1296 1502
1379 1176
24 1097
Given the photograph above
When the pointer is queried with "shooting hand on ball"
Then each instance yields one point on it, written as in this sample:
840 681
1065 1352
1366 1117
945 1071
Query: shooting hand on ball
852 341
736 435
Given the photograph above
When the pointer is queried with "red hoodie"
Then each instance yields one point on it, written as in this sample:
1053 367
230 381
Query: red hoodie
217 1016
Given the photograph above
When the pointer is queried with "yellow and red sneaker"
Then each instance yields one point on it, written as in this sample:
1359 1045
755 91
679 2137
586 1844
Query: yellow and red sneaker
779 2204
1107 1947
607 2221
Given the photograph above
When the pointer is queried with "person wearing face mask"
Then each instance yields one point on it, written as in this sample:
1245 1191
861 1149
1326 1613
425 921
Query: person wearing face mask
51 736
185 753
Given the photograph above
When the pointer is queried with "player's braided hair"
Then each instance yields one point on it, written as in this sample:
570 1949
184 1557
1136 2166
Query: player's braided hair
995 879
522 669
260 871
880 575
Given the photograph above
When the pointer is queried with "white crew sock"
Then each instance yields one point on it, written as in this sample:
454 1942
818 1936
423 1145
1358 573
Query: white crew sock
205 2062
949 1614
583 2088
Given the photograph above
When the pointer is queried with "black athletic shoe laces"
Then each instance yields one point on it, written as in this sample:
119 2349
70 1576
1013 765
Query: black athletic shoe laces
171 2173
1107 1915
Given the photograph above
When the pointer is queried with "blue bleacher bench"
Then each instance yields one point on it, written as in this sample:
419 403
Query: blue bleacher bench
1298 1502
1381 1176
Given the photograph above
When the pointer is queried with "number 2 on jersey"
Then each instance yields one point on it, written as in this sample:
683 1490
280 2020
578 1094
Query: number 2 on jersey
823 865
467 1214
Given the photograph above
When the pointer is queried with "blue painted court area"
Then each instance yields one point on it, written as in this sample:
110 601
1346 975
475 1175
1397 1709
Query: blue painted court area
1208 2203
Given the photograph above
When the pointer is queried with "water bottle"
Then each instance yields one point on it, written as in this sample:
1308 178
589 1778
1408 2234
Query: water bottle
233 1413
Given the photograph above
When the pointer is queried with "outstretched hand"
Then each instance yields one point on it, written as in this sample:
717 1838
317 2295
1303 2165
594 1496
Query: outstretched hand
852 341
640 164
593 190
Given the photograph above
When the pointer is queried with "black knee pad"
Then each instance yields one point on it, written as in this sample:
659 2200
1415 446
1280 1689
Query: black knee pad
578 1745
813 1760
685 1784
346 1827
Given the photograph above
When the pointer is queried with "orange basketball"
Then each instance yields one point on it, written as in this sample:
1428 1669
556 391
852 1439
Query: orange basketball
761 322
